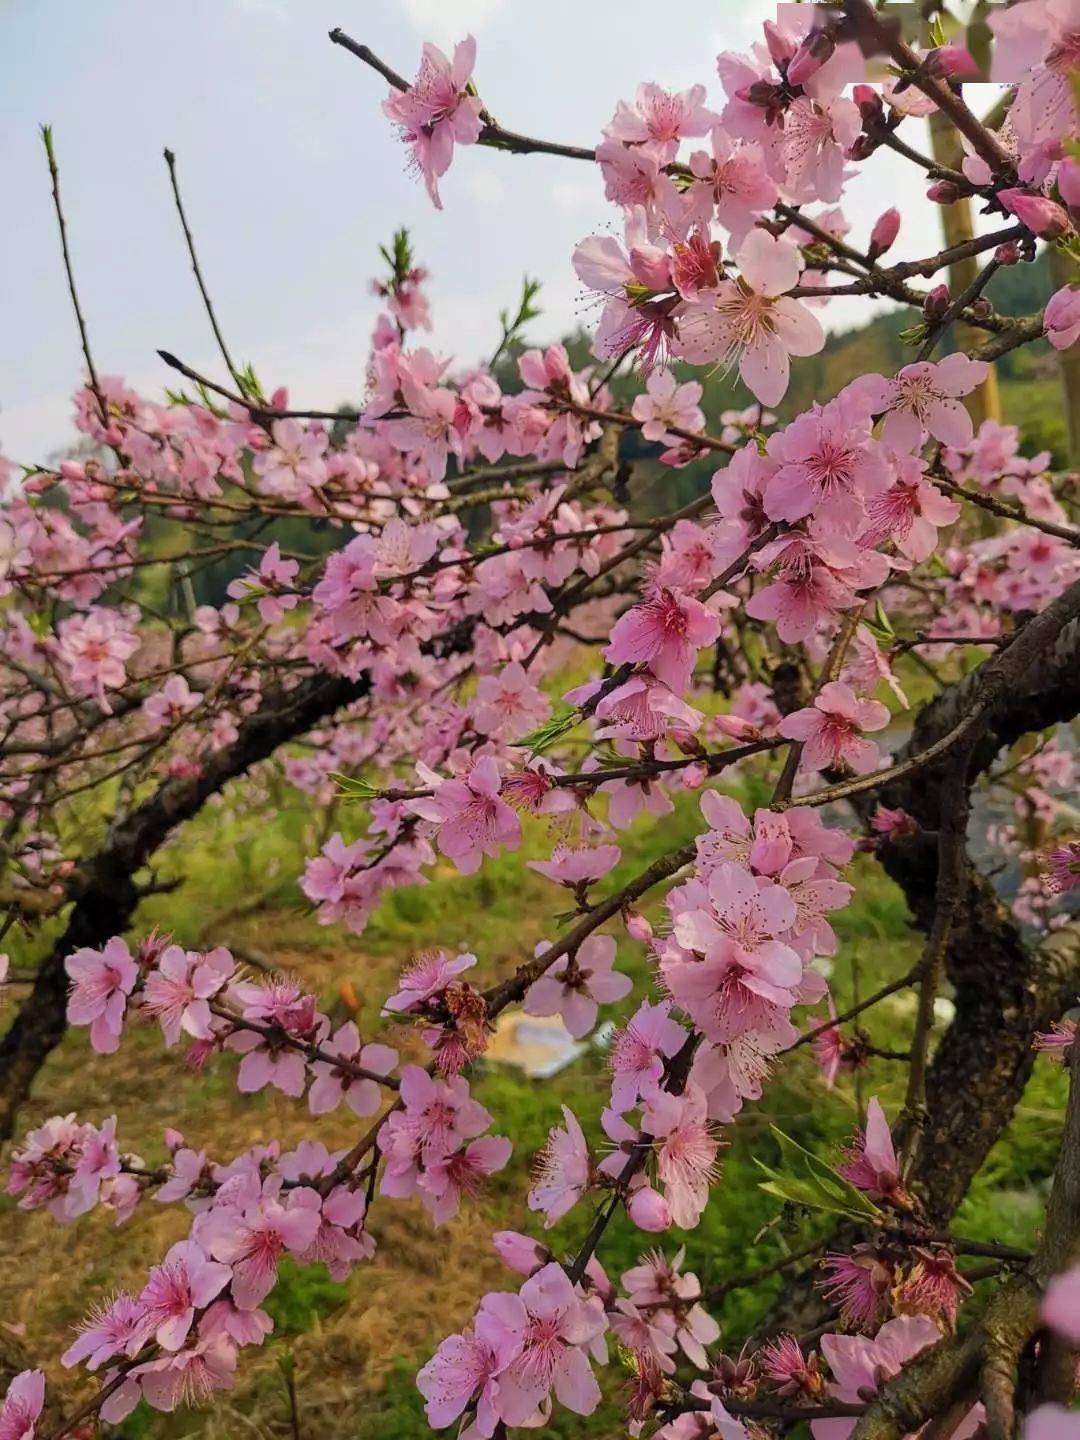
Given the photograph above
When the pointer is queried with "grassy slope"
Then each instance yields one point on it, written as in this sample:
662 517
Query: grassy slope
357 1345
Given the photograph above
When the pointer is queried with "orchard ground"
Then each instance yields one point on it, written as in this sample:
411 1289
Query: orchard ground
354 1365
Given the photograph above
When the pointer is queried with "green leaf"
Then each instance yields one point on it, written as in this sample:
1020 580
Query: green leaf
353 787
806 1180
542 738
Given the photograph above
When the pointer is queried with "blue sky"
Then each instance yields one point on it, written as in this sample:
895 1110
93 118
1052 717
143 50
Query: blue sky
292 176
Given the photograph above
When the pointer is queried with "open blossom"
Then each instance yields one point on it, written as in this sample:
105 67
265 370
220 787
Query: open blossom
563 1171
576 985
178 992
751 321
871 1164
660 118
1063 867
101 981
637 283
186 1280
827 467
922 398
685 1149
639 1050
549 1326
665 632
667 404
252 1241
830 729
437 111
22 1405
578 866
95 647
509 704
463 1370
171 703
271 583
293 466
473 821
860 1366
332 1083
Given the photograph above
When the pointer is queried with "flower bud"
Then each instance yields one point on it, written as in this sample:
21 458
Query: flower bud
1068 181
862 147
886 228
638 928
763 93
943 192
818 47
648 1209
1043 217
781 46
520 1253
1008 254
953 62
936 303
871 106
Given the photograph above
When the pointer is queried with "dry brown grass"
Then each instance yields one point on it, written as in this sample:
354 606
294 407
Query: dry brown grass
420 1278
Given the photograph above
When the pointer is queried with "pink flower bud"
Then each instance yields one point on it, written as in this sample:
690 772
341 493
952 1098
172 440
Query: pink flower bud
1043 217
1068 180
871 106
520 1253
943 192
886 228
936 302
954 62
694 776
173 1140
815 50
648 1209
781 46
1008 254
638 928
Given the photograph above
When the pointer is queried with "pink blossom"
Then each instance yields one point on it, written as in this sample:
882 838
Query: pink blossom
664 632
109 1330
330 1084
426 979
860 1284
909 512
922 398
657 1283
636 312
189 1377
22 1405
660 118
178 992
830 729
576 985
828 467
639 1050
186 1280
685 1150
437 1118
94 647
462 1366
253 1240
473 821
461 1173
871 1164
752 322
577 866
508 704
1062 318
667 404
171 703
731 184
549 1326
861 1366
563 1171
1061 1305
101 981
271 583
438 110
293 466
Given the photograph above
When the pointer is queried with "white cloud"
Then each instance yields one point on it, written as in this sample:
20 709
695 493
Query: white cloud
447 21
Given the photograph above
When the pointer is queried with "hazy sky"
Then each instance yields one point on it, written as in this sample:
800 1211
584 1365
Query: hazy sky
291 177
